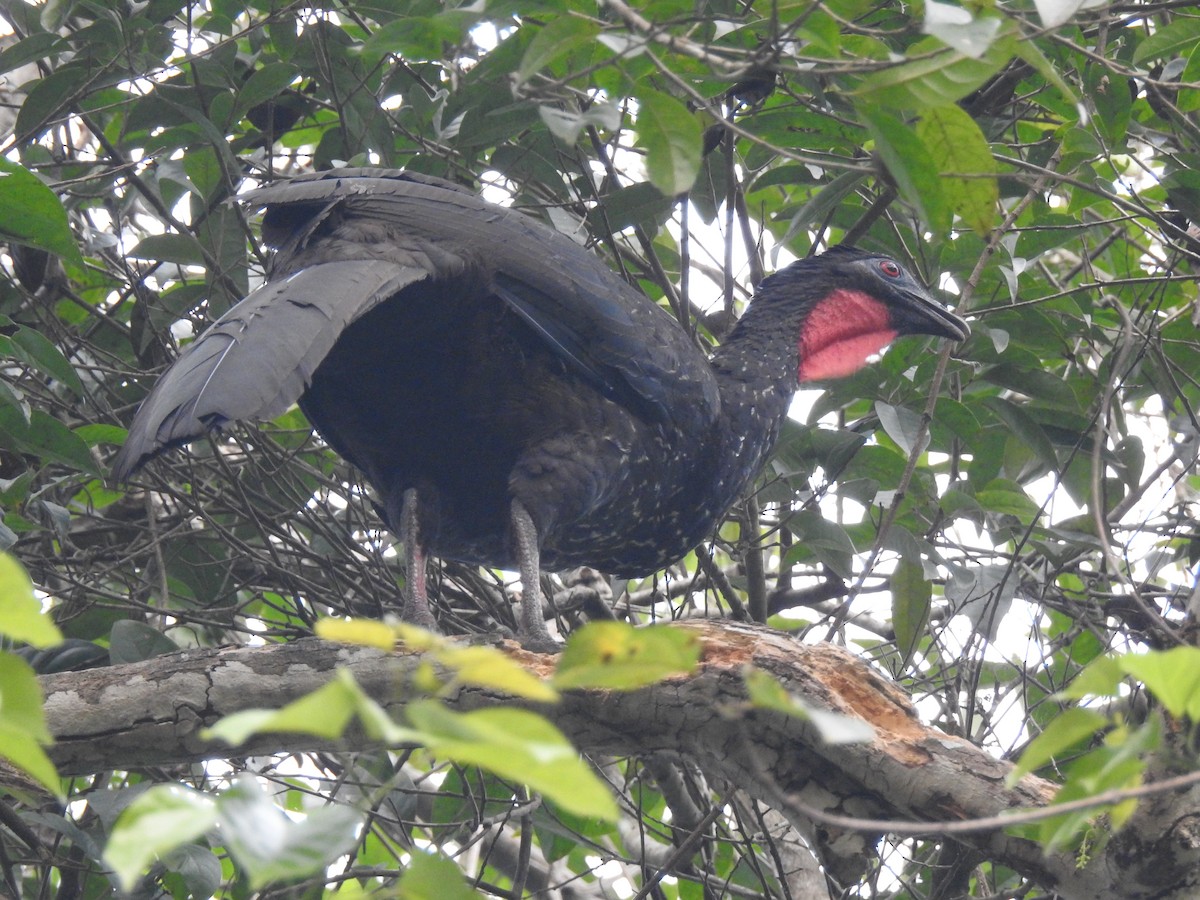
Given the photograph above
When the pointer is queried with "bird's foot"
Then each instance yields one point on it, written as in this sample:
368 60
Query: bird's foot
416 590
531 630
416 614
540 642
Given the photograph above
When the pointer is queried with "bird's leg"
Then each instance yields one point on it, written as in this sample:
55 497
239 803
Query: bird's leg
532 631
416 599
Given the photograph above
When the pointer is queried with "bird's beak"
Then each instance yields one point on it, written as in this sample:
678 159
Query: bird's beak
919 313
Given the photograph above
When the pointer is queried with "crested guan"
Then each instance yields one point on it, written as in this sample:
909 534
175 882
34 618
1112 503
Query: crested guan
509 397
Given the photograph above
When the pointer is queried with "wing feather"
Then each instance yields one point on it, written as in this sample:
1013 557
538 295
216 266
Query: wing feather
587 314
258 358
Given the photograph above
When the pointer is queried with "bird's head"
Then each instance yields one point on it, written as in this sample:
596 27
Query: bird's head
855 303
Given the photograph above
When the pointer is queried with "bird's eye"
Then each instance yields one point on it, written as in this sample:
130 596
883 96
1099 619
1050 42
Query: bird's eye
889 268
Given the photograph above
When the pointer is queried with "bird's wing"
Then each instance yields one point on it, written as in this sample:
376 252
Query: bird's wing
258 358
630 356
641 355
613 336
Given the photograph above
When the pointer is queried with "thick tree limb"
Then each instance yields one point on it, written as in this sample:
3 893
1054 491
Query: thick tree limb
151 713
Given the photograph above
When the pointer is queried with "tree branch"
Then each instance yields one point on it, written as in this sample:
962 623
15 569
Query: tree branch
151 714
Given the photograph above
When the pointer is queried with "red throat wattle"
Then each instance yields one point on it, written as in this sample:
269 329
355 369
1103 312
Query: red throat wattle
841 333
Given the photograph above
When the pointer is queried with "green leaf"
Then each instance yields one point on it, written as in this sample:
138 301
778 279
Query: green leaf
800 446
1057 12
766 692
100 433
962 155
877 463
26 754
903 425
1172 676
936 75
134 641
1179 38
555 40
413 37
46 438
672 138
161 819
822 203
197 867
271 846
1007 498
491 668
1060 832
360 632
265 84
957 417
1120 763
21 709
956 27
33 214
45 101
617 656
1032 54
1100 678
912 597
1131 455
516 744
483 666
34 348
236 728
826 540
910 164
325 713
182 249
13 399
54 13
1066 732
635 204
203 169
31 49
567 124
1189 100
982 593
431 877
21 615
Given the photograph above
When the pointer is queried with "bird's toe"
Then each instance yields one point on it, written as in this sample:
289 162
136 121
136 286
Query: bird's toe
539 643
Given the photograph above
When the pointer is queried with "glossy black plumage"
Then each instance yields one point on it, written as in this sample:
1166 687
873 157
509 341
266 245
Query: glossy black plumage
445 344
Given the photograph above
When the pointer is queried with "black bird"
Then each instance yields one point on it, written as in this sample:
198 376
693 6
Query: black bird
510 398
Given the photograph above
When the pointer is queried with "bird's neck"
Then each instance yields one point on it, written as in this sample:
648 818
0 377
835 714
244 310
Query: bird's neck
756 369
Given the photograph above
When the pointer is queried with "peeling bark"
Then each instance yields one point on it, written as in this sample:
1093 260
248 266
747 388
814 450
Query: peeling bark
151 714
